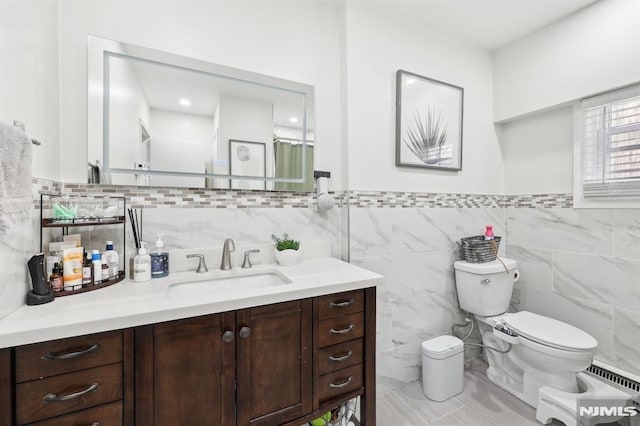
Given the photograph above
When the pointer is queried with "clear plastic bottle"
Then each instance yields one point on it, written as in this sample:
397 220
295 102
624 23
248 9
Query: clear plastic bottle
159 260
142 265
112 258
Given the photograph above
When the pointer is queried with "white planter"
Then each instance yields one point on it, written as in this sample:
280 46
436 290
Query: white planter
287 257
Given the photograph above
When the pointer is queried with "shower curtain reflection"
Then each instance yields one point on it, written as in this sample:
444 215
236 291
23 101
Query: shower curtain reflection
288 159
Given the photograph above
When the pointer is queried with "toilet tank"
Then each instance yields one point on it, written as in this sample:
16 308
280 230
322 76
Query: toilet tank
485 288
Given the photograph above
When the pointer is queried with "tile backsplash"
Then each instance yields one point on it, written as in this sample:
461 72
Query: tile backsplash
192 218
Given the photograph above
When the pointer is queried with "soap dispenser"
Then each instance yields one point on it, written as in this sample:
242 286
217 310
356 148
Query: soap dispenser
159 260
142 265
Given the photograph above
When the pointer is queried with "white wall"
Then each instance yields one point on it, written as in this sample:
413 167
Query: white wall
537 152
591 51
256 36
127 106
378 43
178 143
29 77
246 120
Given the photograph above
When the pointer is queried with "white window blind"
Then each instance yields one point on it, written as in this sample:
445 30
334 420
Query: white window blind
611 145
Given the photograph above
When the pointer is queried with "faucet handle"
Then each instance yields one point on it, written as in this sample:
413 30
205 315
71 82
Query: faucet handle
202 266
246 263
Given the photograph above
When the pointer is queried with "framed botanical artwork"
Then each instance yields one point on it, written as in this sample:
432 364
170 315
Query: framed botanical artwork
247 159
428 122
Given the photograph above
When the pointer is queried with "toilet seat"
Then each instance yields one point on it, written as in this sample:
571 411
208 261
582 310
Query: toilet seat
550 332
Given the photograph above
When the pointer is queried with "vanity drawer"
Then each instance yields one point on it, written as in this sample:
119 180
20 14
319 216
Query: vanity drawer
340 356
66 355
67 393
104 415
339 382
340 329
335 305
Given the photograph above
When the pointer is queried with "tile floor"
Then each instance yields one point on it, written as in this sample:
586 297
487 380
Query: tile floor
480 404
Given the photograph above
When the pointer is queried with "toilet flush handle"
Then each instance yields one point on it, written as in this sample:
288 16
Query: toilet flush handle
516 275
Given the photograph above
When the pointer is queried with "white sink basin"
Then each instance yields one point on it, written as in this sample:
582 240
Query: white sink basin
226 284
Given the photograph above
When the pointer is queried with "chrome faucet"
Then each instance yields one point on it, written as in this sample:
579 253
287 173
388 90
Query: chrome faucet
227 248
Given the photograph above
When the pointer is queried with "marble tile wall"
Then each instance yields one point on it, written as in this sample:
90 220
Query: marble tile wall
15 251
582 266
414 248
579 266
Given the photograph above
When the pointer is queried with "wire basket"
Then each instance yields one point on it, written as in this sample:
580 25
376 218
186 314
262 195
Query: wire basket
478 250
343 415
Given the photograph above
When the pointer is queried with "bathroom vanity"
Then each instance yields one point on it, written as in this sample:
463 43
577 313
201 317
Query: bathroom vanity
274 355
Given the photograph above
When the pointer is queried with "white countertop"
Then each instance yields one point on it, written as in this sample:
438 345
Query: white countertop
129 304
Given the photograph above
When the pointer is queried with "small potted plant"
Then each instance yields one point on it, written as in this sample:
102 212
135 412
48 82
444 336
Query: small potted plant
287 250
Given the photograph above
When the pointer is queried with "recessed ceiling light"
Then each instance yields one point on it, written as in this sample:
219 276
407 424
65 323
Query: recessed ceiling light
185 102
410 80
293 119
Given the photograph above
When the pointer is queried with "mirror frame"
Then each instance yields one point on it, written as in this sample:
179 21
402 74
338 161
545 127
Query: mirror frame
101 49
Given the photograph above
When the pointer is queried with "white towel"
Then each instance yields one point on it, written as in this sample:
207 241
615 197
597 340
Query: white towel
15 179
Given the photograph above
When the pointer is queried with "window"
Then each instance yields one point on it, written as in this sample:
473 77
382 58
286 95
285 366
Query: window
608 148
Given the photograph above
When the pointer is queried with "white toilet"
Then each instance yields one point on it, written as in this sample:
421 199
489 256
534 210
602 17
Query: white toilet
546 352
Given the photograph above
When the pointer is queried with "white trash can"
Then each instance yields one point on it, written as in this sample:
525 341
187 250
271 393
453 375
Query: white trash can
442 367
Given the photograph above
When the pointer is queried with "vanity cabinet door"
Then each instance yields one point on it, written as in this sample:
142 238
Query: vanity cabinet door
274 363
184 372
6 388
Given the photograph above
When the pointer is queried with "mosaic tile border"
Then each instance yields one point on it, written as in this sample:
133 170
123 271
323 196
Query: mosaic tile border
564 201
173 197
369 199
379 199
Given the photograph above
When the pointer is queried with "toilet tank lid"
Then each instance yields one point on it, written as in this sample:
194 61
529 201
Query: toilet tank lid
486 268
442 347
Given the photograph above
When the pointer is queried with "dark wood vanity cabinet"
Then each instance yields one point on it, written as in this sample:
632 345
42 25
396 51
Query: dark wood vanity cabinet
79 380
280 364
197 371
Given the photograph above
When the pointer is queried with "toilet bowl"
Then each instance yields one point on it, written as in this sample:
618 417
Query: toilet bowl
544 351
548 353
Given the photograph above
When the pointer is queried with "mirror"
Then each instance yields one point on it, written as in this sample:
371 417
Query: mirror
159 119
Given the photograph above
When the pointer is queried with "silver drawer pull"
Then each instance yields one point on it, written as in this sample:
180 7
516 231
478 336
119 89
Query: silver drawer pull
96 424
52 397
343 331
50 356
341 385
342 304
342 357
